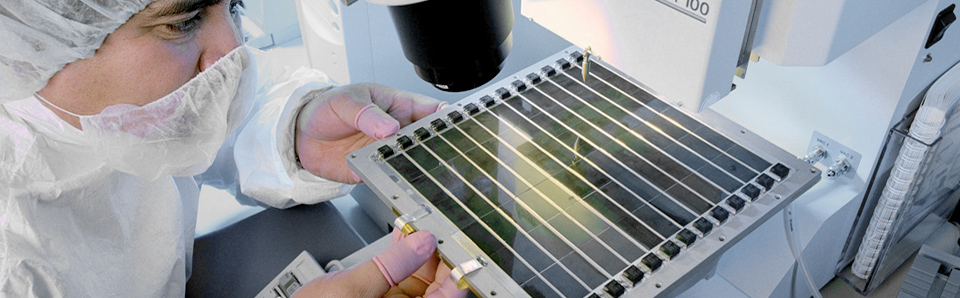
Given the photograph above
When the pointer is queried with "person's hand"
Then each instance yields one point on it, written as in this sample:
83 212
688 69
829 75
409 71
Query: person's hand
346 118
397 272
432 280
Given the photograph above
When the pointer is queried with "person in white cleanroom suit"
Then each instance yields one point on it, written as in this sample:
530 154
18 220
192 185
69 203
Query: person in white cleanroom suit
114 112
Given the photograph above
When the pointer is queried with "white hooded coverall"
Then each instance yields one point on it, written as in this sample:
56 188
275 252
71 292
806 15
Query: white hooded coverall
71 226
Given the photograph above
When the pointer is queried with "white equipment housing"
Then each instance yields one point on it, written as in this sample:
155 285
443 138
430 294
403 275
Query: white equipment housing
846 69
685 50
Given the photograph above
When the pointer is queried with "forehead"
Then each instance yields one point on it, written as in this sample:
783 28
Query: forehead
162 8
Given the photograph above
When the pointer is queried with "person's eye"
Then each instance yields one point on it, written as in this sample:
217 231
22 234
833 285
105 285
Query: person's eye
186 26
235 6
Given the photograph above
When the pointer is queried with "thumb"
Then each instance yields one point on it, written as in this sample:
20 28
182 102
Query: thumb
403 258
376 123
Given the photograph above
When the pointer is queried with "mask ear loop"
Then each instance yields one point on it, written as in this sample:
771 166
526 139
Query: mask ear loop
37 95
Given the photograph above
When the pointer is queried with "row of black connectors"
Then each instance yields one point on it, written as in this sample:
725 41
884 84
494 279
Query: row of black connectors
486 101
698 229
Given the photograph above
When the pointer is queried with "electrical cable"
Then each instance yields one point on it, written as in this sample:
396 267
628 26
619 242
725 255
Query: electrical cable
794 244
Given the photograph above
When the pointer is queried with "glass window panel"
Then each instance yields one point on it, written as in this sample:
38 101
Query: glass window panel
513 266
603 257
587 273
656 221
550 241
623 220
537 288
620 244
564 282
755 162
520 215
584 216
672 210
569 230
738 170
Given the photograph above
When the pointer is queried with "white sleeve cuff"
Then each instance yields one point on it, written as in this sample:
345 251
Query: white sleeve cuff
265 150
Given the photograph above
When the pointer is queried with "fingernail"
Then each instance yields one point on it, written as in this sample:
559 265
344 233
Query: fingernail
396 235
424 243
355 177
441 106
356 119
386 128
379 128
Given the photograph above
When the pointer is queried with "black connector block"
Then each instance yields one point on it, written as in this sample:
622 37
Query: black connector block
736 202
520 86
614 288
533 78
438 125
487 101
670 249
385 151
455 117
765 181
633 274
687 237
471 109
548 71
502 93
719 213
576 56
780 170
703 225
404 142
421 133
652 261
751 191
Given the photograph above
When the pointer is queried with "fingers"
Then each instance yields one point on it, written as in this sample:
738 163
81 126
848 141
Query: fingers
443 272
357 282
396 235
378 111
403 258
330 116
428 272
346 118
395 264
425 273
356 179
444 287
376 123
345 110
406 107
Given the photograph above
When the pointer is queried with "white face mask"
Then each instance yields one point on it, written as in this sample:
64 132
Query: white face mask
180 133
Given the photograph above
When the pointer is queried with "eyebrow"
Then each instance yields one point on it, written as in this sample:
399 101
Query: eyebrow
183 6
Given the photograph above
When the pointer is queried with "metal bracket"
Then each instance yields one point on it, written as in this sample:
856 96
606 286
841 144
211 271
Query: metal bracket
403 222
465 268
838 158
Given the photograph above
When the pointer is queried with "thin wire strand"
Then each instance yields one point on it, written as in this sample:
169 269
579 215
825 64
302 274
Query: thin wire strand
480 221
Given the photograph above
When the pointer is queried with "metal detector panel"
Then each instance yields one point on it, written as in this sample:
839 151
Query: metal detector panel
560 186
